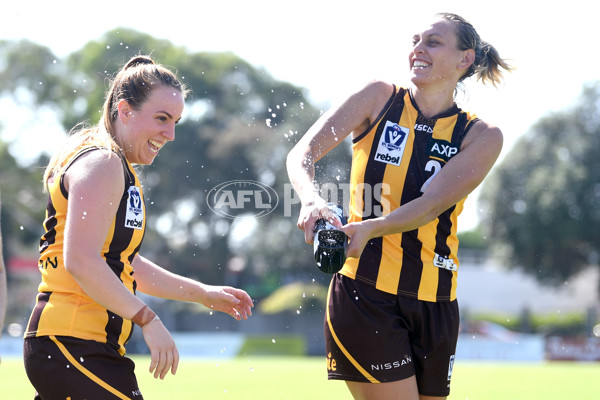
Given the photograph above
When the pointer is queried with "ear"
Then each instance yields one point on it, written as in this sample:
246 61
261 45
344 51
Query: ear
125 111
467 60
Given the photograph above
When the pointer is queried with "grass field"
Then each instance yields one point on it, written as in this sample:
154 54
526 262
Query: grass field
292 378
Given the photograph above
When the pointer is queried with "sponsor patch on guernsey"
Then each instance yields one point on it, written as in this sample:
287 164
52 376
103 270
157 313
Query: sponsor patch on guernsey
441 149
392 143
134 216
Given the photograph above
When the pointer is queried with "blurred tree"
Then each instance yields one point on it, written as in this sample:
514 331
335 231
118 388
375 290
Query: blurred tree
29 73
544 199
239 124
29 77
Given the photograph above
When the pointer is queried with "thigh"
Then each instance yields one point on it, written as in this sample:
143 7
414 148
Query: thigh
64 367
365 337
405 389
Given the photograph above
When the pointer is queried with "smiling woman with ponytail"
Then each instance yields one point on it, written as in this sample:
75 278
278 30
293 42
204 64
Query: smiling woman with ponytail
90 263
391 324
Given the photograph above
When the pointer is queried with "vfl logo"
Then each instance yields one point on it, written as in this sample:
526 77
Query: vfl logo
134 216
392 143
241 199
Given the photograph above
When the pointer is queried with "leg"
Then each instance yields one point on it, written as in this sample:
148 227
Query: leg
405 389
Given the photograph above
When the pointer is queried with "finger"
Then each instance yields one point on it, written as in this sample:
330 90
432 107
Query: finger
300 223
308 233
168 364
153 361
175 360
242 312
162 360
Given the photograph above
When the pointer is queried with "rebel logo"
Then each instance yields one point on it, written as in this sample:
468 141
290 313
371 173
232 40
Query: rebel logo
134 215
392 143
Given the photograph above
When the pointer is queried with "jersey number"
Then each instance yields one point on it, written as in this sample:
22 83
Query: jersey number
431 166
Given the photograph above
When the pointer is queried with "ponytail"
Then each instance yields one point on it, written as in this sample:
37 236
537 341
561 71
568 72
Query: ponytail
488 64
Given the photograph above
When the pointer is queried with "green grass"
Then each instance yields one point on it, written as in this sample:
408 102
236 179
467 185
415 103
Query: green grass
290 378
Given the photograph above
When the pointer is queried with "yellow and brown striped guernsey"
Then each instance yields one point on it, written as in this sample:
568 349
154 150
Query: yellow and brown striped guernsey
393 162
62 307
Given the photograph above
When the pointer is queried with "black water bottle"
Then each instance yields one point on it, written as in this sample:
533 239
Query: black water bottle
330 243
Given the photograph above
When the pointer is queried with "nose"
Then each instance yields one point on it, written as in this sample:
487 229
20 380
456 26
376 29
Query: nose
169 133
418 47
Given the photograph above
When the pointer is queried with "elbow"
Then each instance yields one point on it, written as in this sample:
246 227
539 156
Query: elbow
433 211
75 263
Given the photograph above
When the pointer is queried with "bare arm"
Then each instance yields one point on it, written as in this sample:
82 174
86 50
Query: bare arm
353 115
463 173
95 183
158 282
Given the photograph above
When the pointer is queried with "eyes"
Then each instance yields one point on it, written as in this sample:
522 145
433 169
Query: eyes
429 41
164 119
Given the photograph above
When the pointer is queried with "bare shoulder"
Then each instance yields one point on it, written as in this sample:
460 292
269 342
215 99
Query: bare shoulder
484 133
372 97
103 167
377 90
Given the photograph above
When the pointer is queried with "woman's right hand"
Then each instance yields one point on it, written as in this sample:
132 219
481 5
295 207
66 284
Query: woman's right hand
311 213
164 354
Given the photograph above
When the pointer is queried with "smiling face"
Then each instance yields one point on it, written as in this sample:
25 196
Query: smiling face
435 57
142 133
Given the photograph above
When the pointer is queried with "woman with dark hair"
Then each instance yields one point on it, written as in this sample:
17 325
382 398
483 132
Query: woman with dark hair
89 254
391 324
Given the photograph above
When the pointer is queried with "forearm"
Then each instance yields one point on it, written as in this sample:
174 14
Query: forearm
97 280
410 216
158 282
300 165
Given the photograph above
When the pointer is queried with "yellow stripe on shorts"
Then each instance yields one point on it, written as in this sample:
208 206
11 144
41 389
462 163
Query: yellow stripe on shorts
337 341
87 372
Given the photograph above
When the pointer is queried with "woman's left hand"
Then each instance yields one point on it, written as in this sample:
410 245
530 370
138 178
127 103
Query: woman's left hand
232 301
359 234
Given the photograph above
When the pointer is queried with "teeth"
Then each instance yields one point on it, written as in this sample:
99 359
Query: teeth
156 144
419 64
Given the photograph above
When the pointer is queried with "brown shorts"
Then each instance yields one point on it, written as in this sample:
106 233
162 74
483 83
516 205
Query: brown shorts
373 336
66 368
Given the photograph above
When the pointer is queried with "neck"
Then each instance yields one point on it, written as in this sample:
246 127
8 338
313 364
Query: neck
433 101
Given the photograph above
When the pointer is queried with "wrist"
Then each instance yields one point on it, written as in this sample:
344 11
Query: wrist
312 201
144 317
376 227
